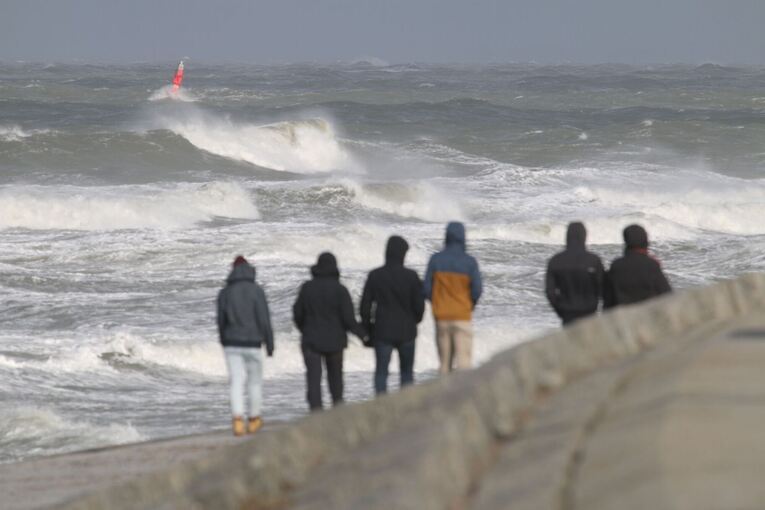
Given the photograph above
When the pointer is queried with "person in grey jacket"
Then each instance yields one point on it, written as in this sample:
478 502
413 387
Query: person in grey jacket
244 325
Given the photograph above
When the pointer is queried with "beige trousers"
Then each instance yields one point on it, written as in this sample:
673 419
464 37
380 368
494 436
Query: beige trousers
454 340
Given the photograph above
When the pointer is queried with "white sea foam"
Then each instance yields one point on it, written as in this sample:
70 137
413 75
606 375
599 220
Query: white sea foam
121 207
673 205
7 362
370 61
202 357
14 133
357 245
27 430
599 230
414 199
166 93
303 146
724 209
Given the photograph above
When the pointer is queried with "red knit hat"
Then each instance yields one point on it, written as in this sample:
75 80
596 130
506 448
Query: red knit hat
239 260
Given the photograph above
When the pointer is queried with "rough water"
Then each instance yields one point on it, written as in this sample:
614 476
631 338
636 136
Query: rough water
122 207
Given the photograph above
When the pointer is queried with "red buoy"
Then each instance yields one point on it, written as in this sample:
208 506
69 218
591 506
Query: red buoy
178 78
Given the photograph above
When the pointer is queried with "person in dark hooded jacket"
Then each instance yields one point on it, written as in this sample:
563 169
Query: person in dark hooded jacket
391 307
636 276
244 325
574 279
323 312
453 284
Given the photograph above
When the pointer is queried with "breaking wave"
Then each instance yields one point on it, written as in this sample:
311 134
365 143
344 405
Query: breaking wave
418 200
674 205
121 207
303 146
28 431
127 349
735 211
166 94
16 133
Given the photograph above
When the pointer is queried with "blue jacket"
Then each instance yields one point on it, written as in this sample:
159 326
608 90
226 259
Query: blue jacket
453 281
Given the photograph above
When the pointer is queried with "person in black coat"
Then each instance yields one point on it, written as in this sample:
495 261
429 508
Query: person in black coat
391 307
323 312
574 279
636 276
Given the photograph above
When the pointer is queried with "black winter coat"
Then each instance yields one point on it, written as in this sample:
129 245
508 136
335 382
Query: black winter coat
393 301
574 279
633 278
323 311
636 276
243 317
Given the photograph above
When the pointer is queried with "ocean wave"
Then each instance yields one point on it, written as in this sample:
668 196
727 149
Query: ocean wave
14 133
131 351
127 350
28 430
673 203
301 146
166 93
736 210
416 199
121 207
420 200
602 230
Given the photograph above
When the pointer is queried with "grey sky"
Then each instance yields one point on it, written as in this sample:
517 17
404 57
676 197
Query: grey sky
547 31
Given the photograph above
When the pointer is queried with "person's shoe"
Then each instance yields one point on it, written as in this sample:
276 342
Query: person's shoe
254 424
237 424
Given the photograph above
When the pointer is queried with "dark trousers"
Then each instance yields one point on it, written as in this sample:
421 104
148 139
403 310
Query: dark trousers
333 361
383 354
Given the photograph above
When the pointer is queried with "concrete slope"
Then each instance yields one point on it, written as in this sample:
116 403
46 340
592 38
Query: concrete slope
593 416
686 431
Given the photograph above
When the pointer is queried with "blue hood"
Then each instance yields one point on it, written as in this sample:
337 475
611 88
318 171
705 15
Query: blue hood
455 234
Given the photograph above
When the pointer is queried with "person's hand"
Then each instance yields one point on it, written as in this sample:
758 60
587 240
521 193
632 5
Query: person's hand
367 341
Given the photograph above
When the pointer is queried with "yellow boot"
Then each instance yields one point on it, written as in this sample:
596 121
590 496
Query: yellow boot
254 424
238 425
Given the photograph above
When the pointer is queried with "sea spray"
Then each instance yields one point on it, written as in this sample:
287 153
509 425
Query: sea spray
121 207
299 146
120 215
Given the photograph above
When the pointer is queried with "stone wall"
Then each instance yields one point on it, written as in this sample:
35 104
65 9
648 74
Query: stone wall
425 447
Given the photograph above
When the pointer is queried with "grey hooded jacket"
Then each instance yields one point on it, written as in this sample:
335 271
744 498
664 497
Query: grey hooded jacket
243 317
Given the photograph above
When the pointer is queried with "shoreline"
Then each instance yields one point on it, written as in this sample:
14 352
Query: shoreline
52 480
540 421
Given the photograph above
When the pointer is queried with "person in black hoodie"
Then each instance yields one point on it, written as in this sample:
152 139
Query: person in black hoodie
574 278
636 276
244 325
395 294
323 312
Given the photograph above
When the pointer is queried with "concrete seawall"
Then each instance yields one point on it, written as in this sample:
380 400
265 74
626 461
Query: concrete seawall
448 444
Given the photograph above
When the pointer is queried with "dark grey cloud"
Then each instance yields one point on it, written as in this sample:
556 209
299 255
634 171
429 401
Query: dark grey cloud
587 31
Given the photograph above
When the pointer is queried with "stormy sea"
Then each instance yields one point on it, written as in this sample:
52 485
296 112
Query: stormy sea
122 206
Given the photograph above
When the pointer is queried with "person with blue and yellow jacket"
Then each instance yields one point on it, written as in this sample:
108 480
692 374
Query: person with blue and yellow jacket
453 286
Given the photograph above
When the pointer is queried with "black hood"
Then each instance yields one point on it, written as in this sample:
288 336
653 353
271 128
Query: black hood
326 265
242 272
396 250
576 236
635 238
455 234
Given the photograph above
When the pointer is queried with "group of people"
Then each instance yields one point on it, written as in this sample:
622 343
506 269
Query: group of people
576 281
393 303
